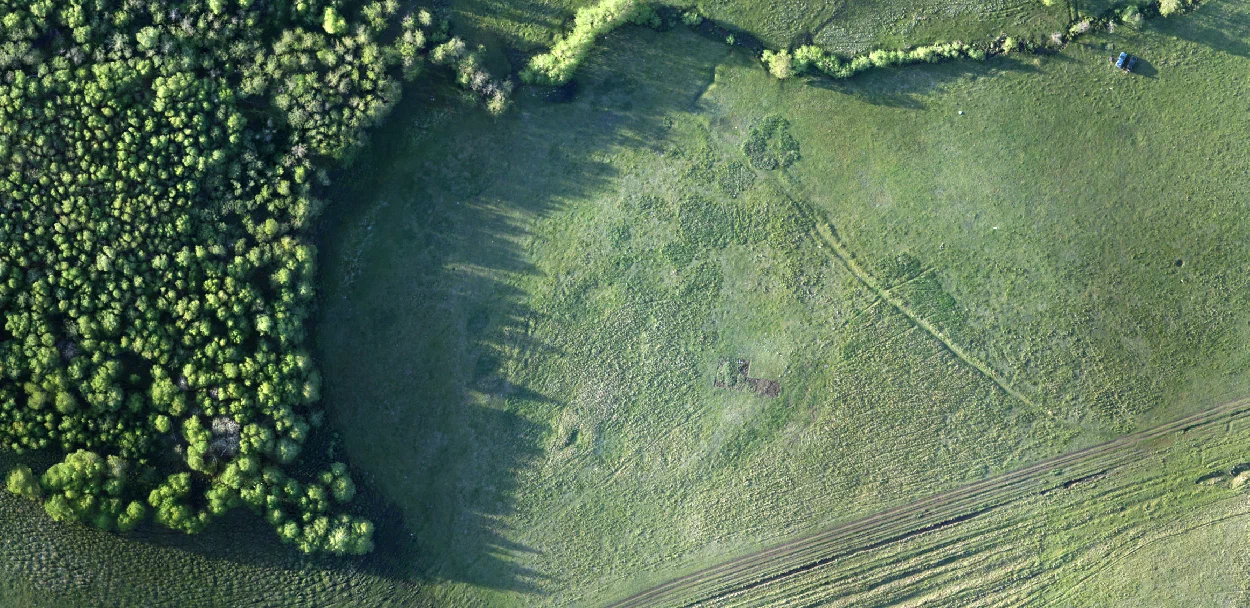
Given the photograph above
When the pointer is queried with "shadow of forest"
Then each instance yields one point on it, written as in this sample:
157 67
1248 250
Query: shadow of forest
423 314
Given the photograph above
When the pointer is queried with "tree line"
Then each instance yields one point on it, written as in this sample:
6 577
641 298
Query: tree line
159 167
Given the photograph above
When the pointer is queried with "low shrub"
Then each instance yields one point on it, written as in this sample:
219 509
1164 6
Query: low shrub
780 64
472 75
1167 8
770 146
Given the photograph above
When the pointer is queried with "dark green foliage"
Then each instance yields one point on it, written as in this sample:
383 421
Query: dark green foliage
171 501
769 145
157 170
734 178
471 75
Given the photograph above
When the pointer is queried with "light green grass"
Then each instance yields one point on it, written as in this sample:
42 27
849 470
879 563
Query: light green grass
1159 522
1055 210
1203 561
521 324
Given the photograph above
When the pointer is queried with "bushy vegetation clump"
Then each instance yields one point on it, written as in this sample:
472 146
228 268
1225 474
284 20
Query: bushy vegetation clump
780 63
810 59
1167 8
769 145
158 162
557 66
22 482
89 488
471 75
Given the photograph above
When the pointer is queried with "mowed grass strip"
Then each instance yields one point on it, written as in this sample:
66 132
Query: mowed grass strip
775 566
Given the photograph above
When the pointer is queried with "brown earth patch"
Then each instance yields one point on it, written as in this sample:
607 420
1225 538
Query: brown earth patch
737 376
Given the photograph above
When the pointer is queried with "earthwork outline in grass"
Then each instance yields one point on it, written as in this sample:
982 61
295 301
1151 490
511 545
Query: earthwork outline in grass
828 236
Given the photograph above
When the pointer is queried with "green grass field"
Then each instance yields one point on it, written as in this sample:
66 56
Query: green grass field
968 267
522 325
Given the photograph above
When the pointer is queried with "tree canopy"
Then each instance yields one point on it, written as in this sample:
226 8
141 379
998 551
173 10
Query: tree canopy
159 165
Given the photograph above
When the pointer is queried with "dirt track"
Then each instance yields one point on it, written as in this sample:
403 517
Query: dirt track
788 559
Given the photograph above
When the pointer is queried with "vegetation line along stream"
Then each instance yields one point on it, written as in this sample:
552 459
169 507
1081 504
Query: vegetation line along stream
559 65
801 555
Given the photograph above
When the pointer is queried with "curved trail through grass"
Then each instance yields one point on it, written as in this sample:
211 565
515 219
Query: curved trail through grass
788 559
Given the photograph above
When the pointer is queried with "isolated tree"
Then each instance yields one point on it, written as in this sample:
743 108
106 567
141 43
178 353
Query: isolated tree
22 482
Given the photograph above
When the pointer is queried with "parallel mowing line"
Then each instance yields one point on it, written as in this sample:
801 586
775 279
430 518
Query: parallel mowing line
1107 564
899 523
895 519
1100 465
1117 456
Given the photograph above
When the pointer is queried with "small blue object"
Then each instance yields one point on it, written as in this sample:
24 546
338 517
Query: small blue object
1119 63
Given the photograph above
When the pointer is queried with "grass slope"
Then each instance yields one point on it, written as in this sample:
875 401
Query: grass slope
1202 562
522 324
517 335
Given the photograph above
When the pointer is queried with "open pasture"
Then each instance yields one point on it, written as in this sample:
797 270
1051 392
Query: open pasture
523 324
680 311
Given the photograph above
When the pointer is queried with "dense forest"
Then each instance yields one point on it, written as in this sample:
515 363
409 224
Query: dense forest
159 167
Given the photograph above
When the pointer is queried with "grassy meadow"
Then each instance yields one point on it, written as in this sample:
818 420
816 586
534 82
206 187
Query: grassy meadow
523 325
1086 224
1200 563
530 326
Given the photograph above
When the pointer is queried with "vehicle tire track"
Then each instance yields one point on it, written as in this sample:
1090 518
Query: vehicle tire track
893 525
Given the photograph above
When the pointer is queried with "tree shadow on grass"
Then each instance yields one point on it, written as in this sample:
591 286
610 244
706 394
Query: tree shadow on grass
427 324
520 15
907 86
1145 69
1223 26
